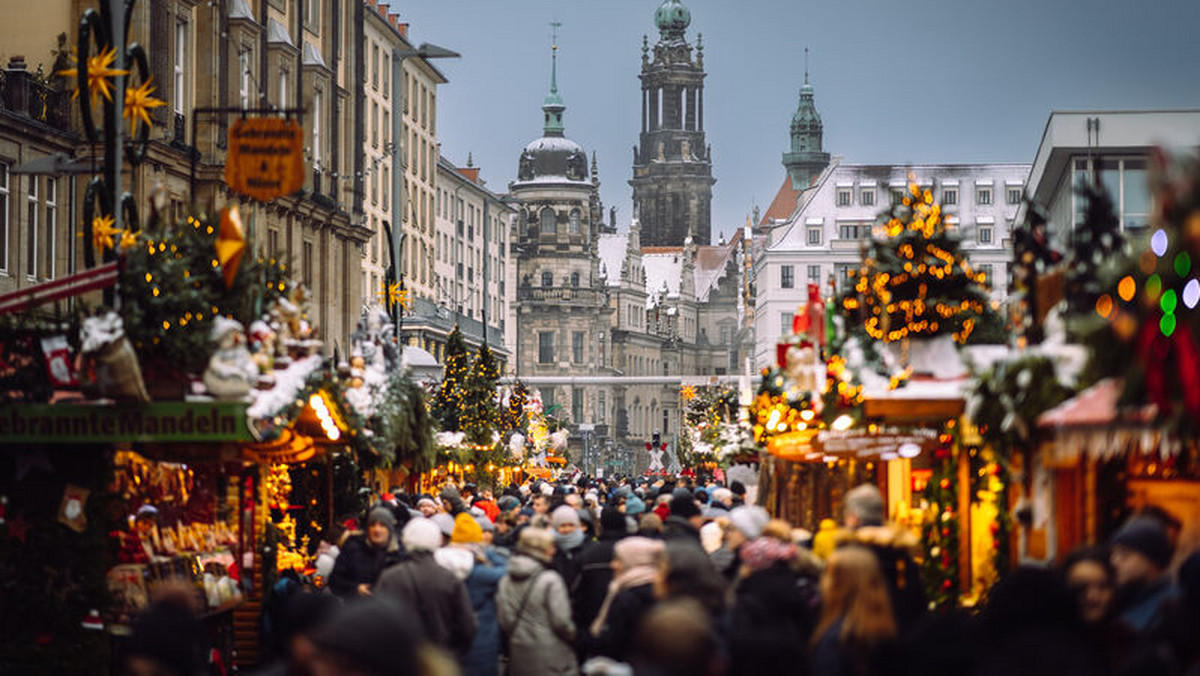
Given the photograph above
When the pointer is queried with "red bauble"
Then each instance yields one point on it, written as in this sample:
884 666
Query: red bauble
946 584
945 532
944 483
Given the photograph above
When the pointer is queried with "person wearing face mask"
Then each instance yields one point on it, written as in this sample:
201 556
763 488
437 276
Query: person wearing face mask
569 541
365 555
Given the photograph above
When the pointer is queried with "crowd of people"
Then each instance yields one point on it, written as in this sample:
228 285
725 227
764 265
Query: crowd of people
664 578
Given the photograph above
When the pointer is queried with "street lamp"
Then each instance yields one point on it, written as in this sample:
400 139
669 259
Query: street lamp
400 105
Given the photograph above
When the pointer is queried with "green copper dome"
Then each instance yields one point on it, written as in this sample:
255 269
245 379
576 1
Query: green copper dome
672 17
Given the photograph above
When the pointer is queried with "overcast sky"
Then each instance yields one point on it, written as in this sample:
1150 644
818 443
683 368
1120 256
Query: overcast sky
896 81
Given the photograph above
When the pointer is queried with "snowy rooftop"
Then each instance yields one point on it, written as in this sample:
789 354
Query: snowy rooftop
611 248
663 271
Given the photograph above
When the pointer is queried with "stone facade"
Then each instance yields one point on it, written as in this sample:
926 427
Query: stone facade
672 164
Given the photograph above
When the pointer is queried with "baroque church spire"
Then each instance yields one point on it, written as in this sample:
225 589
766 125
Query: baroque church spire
807 157
553 106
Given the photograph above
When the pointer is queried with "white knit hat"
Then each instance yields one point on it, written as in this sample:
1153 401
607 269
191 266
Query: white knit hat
421 535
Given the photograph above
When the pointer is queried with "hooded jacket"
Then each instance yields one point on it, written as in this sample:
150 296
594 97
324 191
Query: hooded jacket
481 570
541 638
436 595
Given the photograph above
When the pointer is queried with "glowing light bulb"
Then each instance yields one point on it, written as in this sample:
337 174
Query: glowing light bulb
1158 242
842 422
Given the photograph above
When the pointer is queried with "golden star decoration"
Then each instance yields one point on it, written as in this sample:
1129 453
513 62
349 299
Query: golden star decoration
99 70
392 294
230 244
138 103
103 232
688 393
128 239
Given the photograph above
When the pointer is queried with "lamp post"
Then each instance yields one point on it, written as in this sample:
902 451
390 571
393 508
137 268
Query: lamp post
399 149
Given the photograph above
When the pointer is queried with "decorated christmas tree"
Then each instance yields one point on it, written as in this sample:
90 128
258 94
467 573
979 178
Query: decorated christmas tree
451 393
914 281
481 413
1093 244
513 414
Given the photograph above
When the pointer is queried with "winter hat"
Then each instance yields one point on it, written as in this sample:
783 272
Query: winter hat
701 496
737 488
507 504
765 552
1148 538
421 535
749 520
684 506
375 636
425 500
612 521
449 493
466 530
564 514
382 515
443 521
547 490
634 506
638 551
710 537
682 492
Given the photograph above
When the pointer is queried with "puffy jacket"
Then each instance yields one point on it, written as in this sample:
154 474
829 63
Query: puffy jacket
541 639
360 562
482 578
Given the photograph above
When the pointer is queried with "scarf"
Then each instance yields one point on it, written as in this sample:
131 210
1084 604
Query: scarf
639 559
570 540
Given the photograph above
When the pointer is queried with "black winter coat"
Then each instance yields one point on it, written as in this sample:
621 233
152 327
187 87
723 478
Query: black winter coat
595 572
437 596
773 616
617 638
360 562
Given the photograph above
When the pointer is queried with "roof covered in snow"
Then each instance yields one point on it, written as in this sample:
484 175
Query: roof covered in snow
611 248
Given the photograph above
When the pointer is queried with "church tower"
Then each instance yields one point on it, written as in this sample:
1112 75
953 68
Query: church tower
807 159
672 165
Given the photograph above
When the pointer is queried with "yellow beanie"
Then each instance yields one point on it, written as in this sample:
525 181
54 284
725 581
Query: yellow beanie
466 530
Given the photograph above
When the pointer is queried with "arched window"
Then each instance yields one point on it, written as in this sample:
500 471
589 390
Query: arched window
574 222
549 222
533 224
547 278
574 279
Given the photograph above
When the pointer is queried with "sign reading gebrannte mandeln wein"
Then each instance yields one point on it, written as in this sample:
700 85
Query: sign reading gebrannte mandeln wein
265 157
156 421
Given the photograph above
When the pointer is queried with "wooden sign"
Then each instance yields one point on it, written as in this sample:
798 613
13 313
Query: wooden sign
265 158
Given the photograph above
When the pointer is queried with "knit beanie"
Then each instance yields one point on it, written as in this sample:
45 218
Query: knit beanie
684 506
1148 538
749 520
382 515
634 506
421 535
564 514
466 530
507 504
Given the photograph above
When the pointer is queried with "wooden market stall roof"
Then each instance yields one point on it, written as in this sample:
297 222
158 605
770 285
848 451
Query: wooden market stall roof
1094 423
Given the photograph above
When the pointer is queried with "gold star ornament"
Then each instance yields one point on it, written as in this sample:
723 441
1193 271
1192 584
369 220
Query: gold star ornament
99 70
103 233
392 295
138 103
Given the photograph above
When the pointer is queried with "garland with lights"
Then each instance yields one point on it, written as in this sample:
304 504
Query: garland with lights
173 286
1145 328
939 530
914 281
990 478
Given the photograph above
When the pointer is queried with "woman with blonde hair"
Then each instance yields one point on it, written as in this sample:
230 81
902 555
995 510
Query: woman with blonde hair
856 623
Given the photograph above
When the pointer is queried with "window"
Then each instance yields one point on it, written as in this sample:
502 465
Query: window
375 66
1014 195
316 125
283 90
785 322
51 229
386 69
374 121
1125 181
384 183
577 347
897 196
547 278
546 350
574 279
867 197
32 231
787 276
984 233
666 426
854 230
180 61
549 222
843 273
574 222
387 126
4 193
843 197
601 405
814 236
576 405
306 264
983 196
949 197
273 242
814 273
312 13
244 69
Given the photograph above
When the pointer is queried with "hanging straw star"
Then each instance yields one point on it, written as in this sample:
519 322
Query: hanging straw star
103 232
392 294
138 103
99 71
128 239
688 393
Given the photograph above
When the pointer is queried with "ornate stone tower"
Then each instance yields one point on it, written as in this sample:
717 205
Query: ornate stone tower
807 158
672 165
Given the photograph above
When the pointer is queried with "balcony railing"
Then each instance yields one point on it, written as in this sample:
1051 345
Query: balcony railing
575 295
22 94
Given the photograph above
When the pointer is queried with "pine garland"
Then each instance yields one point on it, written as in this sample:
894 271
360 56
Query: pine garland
939 532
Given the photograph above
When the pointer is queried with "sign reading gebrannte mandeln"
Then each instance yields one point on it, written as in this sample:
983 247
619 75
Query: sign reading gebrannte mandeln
156 421
265 157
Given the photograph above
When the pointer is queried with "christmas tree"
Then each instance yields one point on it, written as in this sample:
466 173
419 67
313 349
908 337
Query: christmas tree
448 400
914 280
481 413
1093 244
513 415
